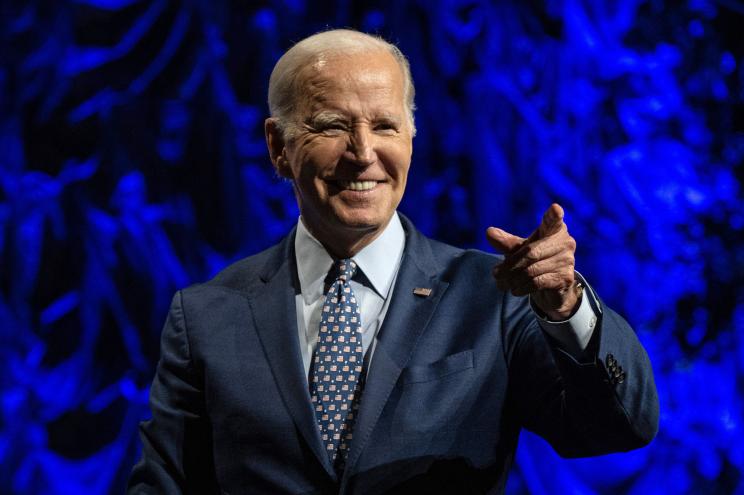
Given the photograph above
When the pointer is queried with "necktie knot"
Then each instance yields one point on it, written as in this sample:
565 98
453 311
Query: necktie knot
345 269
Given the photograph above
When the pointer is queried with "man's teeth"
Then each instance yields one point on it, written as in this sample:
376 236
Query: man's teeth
358 185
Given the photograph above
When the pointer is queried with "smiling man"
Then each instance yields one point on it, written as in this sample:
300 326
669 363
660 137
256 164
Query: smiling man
358 356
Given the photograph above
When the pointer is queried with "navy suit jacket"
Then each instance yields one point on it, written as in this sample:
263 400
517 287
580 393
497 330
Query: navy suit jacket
454 377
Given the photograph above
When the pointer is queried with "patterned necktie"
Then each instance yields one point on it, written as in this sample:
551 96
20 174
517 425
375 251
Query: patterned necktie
335 383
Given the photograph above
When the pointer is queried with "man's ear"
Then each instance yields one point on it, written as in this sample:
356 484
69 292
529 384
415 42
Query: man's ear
277 148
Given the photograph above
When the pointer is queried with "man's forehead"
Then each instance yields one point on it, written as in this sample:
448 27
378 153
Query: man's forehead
338 95
369 81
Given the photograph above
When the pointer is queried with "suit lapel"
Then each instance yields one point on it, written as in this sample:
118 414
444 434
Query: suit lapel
273 306
407 317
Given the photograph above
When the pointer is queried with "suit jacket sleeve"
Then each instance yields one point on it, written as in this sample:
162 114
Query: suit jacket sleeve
580 405
177 453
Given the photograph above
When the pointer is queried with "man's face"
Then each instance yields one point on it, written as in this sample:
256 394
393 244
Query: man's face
350 154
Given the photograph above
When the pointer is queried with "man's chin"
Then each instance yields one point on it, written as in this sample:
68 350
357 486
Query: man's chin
360 226
362 223
348 224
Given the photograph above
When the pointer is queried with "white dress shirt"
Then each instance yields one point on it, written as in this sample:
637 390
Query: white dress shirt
378 263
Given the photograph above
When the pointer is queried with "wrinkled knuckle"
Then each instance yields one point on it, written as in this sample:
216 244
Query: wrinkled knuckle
533 253
540 282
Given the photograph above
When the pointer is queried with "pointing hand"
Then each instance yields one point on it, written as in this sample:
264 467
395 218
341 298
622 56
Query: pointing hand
541 265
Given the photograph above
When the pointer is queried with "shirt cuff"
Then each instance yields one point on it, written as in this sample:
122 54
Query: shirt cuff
572 334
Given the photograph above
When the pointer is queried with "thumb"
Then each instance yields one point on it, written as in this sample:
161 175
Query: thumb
503 241
552 221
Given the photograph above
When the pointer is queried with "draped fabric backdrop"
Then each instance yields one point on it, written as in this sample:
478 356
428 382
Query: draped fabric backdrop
132 163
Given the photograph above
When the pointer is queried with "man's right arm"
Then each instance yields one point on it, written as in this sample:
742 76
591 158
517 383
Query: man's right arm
176 442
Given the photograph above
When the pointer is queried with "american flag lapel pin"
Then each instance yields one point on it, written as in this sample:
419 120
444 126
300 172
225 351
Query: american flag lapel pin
422 291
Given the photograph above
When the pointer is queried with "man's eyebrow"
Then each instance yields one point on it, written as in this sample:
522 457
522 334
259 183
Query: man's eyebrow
390 119
326 117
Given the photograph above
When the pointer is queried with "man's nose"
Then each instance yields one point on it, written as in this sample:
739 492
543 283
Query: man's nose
361 146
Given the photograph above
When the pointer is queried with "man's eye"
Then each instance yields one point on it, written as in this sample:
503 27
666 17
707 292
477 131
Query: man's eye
386 126
332 127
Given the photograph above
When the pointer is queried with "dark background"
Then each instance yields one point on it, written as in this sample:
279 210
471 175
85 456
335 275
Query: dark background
132 163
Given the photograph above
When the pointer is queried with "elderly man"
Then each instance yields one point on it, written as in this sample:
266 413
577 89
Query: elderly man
358 356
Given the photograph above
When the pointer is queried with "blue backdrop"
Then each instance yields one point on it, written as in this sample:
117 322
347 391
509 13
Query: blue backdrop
132 163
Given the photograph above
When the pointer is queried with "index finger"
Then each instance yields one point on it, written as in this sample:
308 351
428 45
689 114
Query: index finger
551 223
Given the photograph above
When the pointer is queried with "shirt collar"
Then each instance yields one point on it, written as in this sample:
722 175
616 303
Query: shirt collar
378 260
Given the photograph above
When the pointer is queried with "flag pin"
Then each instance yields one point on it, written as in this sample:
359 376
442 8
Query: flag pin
422 291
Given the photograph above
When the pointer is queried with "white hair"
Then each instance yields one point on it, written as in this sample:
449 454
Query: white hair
283 82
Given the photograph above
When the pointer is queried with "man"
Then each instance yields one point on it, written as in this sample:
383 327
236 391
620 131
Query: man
358 356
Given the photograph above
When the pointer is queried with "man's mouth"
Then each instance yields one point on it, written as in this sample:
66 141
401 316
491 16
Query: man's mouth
357 185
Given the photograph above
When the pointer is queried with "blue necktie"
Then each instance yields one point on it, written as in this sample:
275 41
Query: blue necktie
337 365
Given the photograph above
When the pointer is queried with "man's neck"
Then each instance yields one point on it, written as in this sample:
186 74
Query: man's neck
345 243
